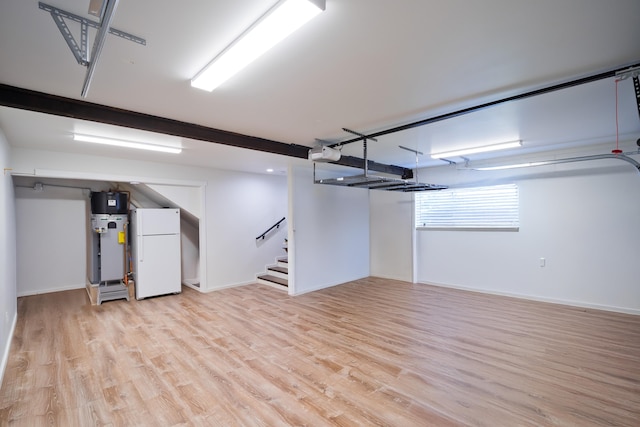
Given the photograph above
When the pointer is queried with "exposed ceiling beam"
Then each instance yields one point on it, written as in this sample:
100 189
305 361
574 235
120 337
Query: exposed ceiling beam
11 96
357 162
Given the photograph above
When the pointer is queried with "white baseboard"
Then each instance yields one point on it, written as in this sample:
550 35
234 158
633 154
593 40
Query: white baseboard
326 286
571 303
5 356
388 277
219 288
49 290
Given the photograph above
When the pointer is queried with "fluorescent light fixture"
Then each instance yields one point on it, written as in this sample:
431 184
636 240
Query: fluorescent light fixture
280 21
270 170
126 144
475 150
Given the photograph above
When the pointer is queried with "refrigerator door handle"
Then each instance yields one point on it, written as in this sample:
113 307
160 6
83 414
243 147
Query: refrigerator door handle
141 249
140 232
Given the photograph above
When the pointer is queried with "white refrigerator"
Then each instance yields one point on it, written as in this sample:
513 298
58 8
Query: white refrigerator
155 250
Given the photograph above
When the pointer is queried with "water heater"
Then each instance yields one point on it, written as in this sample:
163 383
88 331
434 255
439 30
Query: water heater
107 244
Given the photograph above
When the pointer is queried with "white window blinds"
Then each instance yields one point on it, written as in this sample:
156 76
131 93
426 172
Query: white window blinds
494 207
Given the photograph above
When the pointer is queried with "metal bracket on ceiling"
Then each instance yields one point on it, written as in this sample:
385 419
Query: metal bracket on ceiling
417 153
628 72
364 147
451 162
361 135
80 51
634 73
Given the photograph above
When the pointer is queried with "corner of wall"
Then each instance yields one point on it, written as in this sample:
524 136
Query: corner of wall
8 298
7 348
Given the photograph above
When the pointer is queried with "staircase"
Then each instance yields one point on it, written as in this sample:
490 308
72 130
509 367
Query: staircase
276 275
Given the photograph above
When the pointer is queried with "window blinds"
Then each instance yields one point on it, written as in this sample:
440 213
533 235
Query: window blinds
494 207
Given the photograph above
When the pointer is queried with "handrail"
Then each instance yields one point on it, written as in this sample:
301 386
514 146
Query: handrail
276 225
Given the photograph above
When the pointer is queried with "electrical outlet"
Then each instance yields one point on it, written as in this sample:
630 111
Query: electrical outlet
543 262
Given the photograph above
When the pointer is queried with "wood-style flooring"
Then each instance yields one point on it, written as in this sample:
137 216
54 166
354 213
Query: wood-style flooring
370 352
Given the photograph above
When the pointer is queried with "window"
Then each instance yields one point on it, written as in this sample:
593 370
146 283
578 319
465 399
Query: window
494 207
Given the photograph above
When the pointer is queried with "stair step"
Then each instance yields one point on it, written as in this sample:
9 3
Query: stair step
270 280
283 262
279 269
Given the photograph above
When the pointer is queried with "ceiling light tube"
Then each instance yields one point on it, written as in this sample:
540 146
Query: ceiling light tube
476 150
280 21
126 144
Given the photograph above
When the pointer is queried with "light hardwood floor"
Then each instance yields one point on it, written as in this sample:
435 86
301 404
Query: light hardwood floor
370 352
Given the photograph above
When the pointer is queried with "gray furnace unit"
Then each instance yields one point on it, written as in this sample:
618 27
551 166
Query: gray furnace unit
108 243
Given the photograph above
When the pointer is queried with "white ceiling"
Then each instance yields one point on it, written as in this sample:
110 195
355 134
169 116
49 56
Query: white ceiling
366 65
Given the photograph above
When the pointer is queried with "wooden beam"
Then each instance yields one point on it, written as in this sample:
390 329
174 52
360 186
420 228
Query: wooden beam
11 96
67 107
357 162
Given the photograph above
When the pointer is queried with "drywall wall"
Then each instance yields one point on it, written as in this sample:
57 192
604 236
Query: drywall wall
190 246
51 225
187 198
391 235
8 295
238 206
582 219
329 232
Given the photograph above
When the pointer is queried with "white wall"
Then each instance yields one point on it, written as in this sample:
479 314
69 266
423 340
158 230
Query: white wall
329 232
8 298
582 219
239 206
51 226
187 198
391 235
190 246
